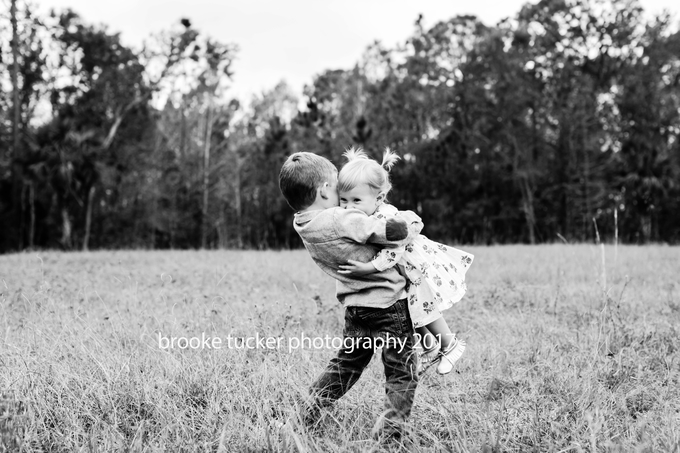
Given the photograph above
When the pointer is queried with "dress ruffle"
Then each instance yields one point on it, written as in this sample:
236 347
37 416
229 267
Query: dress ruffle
436 274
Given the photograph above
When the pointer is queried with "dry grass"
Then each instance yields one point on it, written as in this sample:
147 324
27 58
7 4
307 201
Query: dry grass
563 354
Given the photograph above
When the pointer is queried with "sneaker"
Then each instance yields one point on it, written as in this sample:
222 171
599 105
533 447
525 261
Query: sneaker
451 356
387 431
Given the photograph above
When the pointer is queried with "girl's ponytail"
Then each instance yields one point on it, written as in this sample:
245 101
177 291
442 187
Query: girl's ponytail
353 153
360 169
389 159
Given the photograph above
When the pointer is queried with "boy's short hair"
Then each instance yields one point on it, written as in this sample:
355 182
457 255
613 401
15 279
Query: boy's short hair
301 175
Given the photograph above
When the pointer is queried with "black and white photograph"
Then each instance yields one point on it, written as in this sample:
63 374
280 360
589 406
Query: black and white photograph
340 226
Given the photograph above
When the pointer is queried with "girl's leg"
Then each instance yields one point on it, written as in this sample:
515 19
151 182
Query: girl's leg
427 339
451 347
441 330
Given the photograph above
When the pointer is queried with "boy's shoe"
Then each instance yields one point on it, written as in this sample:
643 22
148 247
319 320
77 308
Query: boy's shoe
388 432
450 356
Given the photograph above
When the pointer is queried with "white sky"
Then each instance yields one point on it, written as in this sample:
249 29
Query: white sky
292 40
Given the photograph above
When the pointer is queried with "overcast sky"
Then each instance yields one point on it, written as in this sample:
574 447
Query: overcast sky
292 39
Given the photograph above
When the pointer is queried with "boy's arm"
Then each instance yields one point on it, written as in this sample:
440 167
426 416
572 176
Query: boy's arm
397 231
415 224
357 226
393 251
391 254
394 230
385 259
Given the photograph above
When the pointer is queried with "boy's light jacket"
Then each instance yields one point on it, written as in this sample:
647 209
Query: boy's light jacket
333 236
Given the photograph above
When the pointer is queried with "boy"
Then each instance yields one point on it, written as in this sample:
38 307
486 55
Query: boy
375 304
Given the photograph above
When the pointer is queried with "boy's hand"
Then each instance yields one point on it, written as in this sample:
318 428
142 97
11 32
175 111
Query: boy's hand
357 268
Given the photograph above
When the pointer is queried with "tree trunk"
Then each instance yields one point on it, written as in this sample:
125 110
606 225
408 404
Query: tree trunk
88 218
206 177
239 210
522 181
65 227
31 202
528 204
646 227
15 80
586 172
562 179
182 131
14 155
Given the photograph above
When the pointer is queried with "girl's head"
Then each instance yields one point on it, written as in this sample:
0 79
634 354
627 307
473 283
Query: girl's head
363 183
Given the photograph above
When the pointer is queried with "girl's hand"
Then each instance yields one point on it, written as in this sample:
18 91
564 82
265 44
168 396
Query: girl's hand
357 268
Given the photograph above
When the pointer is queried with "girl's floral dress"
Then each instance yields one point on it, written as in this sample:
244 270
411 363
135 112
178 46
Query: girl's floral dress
435 272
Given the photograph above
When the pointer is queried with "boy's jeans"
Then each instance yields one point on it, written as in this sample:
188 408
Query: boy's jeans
364 325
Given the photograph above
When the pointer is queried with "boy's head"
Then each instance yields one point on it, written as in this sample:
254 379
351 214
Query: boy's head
304 176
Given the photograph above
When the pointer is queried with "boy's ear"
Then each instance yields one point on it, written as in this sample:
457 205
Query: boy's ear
323 191
380 198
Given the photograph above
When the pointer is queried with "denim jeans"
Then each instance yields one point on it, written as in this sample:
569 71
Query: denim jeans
393 326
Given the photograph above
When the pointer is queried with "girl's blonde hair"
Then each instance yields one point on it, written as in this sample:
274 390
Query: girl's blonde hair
360 169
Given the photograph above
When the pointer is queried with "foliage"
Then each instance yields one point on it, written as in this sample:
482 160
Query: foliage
532 130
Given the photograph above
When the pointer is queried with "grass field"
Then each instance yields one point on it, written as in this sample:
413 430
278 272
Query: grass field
570 348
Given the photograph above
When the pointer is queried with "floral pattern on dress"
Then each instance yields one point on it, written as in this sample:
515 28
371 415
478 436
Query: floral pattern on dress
435 275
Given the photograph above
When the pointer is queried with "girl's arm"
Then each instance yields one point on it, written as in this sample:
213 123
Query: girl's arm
355 268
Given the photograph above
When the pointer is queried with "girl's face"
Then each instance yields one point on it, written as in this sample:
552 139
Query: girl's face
362 197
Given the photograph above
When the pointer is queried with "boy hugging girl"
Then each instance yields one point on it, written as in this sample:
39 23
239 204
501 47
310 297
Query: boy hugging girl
369 248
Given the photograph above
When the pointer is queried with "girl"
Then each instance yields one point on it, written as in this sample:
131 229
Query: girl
436 272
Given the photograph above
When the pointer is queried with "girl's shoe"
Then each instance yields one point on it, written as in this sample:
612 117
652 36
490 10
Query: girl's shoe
451 356
427 358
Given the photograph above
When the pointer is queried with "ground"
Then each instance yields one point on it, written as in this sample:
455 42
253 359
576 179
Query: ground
570 348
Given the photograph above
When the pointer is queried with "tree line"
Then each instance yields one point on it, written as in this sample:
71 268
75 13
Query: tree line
558 124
